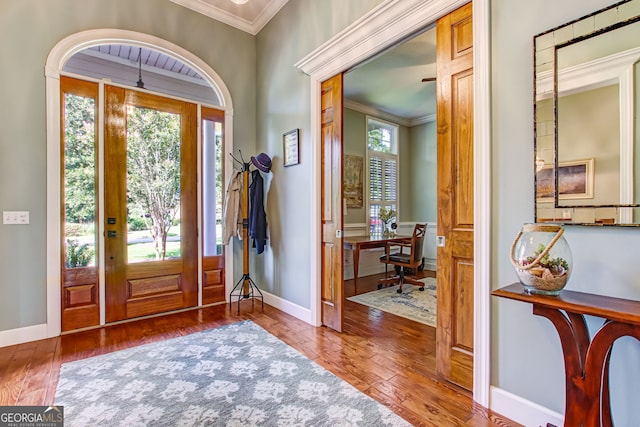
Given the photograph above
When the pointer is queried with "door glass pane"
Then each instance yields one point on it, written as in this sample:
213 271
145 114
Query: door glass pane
153 184
79 181
212 187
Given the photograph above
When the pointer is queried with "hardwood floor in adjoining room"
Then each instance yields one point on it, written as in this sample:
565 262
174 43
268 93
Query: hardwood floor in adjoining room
390 358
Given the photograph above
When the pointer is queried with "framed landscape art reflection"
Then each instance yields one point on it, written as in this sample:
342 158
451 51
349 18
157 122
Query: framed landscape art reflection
575 181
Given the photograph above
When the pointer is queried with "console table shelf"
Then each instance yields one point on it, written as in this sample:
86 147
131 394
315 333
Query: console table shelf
586 360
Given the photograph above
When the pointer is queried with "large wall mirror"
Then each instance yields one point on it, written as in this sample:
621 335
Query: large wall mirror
587 133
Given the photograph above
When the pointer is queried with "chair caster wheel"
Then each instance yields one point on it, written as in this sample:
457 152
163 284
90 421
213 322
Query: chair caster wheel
399 291
379 286
421 289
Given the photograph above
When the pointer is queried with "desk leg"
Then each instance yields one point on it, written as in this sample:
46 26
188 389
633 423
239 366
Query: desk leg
356 261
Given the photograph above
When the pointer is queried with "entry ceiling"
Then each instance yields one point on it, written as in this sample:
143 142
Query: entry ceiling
249 17
389 84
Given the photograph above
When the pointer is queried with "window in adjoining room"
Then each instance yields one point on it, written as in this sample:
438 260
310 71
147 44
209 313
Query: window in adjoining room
382 153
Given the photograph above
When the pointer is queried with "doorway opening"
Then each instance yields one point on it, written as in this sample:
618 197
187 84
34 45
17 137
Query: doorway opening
365 41
391 94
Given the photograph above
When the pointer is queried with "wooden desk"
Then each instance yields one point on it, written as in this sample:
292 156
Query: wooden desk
356 243
586 361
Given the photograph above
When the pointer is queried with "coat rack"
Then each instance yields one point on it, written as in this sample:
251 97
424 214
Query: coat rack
249 289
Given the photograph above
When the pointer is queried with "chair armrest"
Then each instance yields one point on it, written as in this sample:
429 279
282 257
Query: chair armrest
402 245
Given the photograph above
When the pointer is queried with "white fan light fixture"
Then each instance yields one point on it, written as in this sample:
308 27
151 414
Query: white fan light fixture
239 1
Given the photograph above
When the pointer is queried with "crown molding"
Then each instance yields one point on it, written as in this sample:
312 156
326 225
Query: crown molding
372 111
252 27
422 120
357 42
587 75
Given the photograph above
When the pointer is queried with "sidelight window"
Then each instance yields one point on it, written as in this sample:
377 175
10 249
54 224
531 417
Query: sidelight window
79 127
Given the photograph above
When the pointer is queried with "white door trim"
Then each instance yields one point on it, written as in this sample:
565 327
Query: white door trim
56 60
389 23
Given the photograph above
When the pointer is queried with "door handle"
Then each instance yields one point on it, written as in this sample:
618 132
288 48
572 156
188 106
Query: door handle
111 234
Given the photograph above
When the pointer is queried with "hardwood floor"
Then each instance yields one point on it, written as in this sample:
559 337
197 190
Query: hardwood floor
390 358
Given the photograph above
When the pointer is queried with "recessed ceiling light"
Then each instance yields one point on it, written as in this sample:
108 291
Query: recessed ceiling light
239 1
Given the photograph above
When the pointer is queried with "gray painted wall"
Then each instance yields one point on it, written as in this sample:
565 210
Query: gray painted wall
422 198
526 355
29 30
283 103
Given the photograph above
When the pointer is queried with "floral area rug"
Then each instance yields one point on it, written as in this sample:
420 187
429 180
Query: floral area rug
411 303
236 375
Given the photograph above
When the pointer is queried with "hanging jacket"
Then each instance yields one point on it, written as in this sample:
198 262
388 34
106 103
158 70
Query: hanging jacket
257 215
232 218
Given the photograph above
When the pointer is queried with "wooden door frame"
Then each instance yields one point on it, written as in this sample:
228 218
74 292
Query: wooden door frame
56 60
346 50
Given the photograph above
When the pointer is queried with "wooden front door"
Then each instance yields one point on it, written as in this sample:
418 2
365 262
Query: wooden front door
455 263
150 178
331 204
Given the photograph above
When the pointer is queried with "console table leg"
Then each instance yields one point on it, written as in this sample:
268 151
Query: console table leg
586 363
605 403
597 368
574 337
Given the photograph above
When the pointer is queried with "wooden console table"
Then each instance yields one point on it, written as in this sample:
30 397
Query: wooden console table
586 360
356 243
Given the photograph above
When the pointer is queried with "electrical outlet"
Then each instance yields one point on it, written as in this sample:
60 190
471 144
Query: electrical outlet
15 217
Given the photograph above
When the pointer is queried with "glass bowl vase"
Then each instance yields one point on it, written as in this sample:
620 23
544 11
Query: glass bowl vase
542 258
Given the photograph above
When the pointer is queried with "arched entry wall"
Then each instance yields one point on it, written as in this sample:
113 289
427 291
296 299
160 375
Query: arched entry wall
56 60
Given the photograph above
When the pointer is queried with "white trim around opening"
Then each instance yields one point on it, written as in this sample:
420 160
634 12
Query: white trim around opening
389 23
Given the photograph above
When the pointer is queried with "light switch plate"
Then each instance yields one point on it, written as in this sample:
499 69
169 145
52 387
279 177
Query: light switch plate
15 217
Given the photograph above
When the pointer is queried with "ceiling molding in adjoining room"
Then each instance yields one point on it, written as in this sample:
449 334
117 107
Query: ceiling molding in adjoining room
372 111
251 18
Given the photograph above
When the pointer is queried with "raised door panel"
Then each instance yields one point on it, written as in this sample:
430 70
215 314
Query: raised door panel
213 289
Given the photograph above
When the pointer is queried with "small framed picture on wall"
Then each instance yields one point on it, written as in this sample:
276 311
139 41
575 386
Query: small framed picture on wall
291 145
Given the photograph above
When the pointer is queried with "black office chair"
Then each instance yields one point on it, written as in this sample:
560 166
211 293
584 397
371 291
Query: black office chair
408 255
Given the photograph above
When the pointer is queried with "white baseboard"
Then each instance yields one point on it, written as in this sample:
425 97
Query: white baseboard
22 335
521 410
430 264
288 307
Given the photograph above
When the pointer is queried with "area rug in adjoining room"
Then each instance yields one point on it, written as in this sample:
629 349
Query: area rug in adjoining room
236 375
411 303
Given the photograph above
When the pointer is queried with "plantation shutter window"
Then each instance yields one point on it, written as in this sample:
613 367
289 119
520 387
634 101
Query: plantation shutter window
375 178
382 163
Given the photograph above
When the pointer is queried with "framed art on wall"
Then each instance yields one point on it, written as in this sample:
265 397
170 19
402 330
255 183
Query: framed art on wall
291 145
353 175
